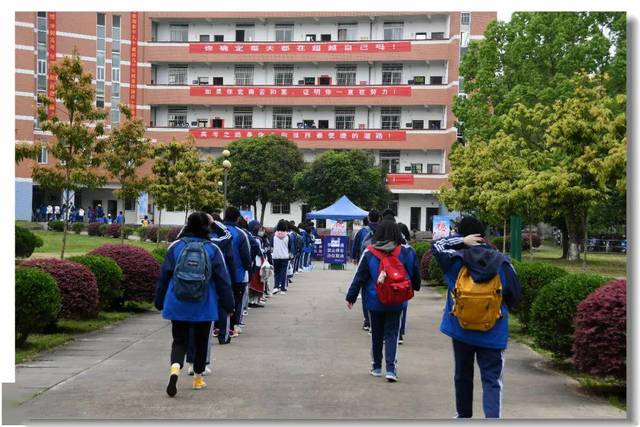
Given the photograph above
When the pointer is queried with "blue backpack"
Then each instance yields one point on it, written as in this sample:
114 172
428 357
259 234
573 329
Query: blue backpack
192 272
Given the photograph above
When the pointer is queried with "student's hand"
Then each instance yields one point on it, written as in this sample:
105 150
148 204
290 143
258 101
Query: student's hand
473 239
349 305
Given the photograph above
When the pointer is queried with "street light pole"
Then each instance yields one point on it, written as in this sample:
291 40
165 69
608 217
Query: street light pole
226 164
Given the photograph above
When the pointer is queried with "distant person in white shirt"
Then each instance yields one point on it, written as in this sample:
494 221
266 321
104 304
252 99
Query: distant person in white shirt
49 212
56 211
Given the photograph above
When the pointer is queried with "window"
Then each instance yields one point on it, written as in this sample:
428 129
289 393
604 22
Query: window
433 168
421 36
435 80
204 37
115 113
245 32
282 118
178 117
43 156
280 208
203 80
393 205
243 117
390 117
416 167
115 90
244 75
115 33
345 117
178 74
100 101
393 30
346 74
178 32
129 204
42 52
434 124
347 31
391 74
284 32
437 35
310 38
465 18
390 160
283 75
461 84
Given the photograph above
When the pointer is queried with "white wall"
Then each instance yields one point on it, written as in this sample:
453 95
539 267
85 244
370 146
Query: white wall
423 201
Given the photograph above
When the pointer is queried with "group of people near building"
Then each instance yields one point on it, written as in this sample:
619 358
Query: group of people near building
46 213
217 269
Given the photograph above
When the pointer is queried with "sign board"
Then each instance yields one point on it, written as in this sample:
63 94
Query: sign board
288 48
133 68
143 202
247 215
441 226
317 249
334 249
281 91
303 134
338 228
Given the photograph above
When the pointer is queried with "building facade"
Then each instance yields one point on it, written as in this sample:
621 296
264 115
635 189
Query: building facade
378 81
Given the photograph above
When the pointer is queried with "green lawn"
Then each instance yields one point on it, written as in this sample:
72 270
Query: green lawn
606 264
77 244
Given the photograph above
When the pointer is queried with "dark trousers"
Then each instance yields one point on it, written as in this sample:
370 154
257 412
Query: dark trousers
385 328
180 331
491 363
365 312
404 320
191 348
222 324
280 273
238 295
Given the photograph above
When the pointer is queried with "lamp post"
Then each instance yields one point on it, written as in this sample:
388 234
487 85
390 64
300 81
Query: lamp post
226 164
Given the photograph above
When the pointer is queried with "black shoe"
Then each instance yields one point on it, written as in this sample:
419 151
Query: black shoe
401 340
365 326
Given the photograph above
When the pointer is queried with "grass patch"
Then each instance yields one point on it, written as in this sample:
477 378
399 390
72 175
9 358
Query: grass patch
68 328
78 244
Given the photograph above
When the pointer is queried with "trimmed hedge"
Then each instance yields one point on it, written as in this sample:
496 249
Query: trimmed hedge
56 225
108 277
159 253
173 233
78 227
103 229
421 248
600 341
533 276
77 284
554 309
425 261
140 269
94 229
37 302
435 273
26 242
151 233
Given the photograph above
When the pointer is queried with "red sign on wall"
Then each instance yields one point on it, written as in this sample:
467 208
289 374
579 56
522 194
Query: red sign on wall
401 178
133 74
51 60
339 47
333 91
303 134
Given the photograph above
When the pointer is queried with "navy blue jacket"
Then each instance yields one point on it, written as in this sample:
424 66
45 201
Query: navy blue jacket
357 241
367 275
483 263
219 291
241 253
221 237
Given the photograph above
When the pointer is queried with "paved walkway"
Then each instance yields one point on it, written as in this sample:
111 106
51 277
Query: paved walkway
302 356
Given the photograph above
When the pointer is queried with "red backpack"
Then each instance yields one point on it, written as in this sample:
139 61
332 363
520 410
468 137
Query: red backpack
392 285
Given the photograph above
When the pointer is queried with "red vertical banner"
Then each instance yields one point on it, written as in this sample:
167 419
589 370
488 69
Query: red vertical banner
133 77
51 60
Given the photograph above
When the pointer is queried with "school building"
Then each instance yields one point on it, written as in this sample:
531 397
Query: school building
377 81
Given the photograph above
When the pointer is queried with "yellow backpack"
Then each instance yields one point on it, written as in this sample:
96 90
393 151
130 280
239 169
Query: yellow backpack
476 305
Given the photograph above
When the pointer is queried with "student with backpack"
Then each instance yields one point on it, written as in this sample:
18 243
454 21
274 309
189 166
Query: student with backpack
387 274
361 241
483 288
193 281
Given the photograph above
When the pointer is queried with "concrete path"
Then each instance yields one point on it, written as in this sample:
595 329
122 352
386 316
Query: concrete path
303 356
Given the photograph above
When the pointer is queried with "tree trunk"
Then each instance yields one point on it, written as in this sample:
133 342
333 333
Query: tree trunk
255 210
530 244
565 239
159 222
264 207
584 241
65 221
186 214
122 225
573 226
504 237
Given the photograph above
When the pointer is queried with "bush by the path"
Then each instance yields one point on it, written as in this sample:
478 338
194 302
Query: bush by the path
37 302
533 276
421 248
554 309
140 269
56 225
78 227
26 242
172 234
77 284
435 272
600 340
94 229
108 276
425 261
151 233
159 253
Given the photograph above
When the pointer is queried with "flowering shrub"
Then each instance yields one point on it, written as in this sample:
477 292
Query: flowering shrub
93 229
140 269
172 235
420 248
108 277
37 302
77 285
425 261
151 233
600 340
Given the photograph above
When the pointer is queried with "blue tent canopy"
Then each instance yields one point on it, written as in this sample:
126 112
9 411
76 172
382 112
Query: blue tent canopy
343 209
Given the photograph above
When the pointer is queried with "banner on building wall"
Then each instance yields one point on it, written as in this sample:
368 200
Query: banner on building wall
401 178
260 91
305 135
133 73
327 47
51 60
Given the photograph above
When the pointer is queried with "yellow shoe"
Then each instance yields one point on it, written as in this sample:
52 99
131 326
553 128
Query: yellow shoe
198 382
173 380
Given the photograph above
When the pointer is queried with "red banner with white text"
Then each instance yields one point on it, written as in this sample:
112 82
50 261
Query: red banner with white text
303 134
133 73
401 178
333 91
309 47
51 60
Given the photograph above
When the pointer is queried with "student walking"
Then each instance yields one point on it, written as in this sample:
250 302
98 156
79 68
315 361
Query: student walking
385 265
406 237
193 280
476 272
281 255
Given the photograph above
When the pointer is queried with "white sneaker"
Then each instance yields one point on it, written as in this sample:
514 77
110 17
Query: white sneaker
283 293
190 371
207 371
275 291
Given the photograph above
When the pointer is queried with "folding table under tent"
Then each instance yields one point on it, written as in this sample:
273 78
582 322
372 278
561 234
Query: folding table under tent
343 209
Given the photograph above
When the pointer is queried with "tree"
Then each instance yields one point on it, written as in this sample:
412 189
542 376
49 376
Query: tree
77 145
344 172
127 149
263 169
